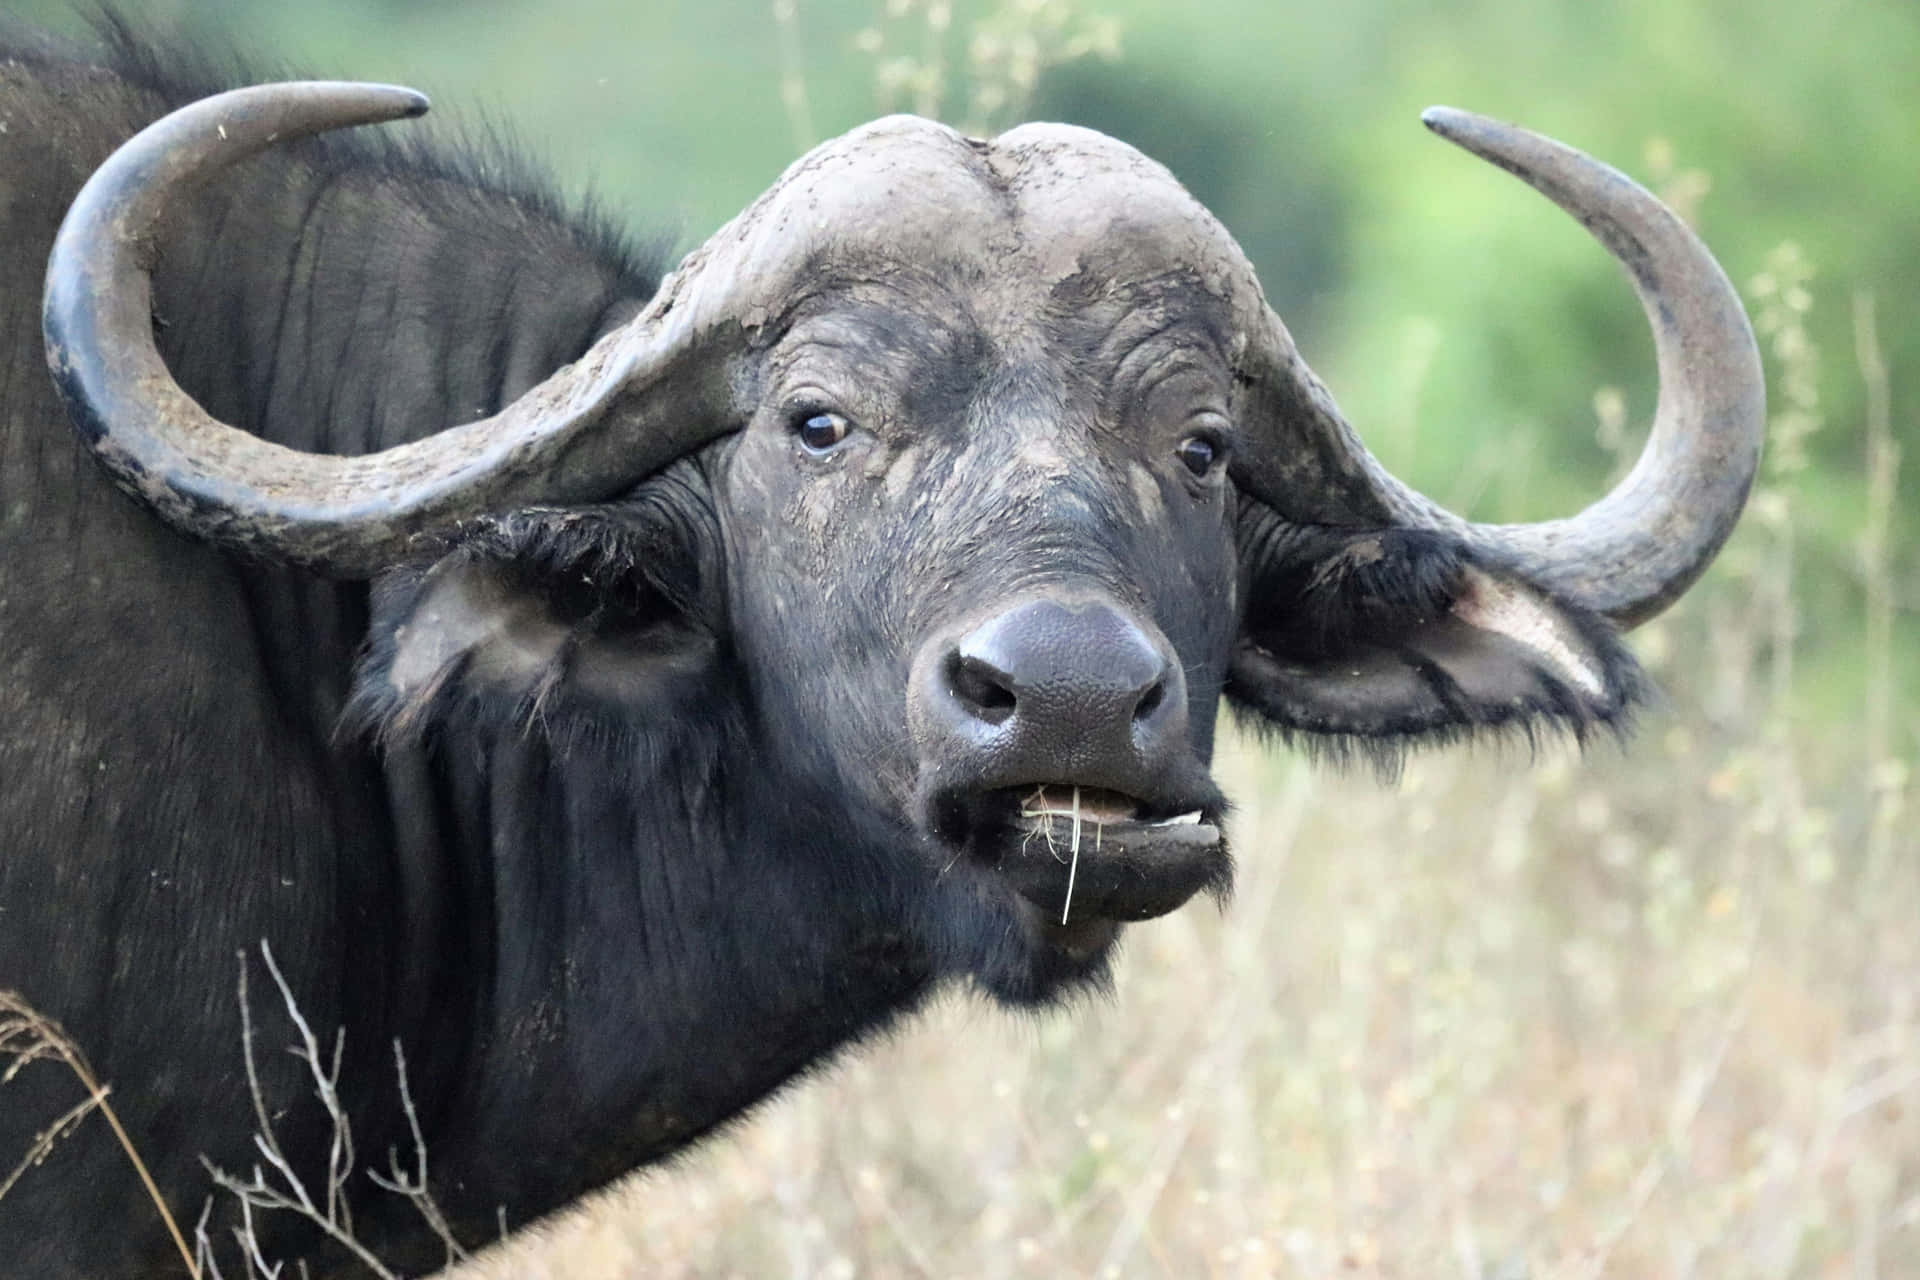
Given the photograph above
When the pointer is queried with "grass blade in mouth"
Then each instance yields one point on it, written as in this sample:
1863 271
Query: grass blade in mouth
1073 866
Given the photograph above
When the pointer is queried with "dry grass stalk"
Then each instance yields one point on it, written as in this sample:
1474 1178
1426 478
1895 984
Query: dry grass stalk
1007 46
1886 773
28 1036
1073 867
1035 806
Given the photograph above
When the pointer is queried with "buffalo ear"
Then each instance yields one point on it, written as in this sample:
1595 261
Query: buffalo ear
1374 639
608 610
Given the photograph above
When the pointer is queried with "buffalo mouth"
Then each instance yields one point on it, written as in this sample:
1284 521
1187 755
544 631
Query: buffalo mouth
1083 854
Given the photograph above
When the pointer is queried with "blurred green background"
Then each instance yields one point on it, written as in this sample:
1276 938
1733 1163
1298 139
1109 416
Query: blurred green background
1485 348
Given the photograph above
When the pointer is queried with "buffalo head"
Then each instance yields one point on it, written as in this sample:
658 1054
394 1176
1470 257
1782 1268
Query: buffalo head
982 471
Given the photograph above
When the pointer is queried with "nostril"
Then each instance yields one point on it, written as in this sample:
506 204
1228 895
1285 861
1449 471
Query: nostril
980 688
1150 701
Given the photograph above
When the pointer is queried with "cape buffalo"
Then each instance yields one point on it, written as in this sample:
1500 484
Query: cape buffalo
628 691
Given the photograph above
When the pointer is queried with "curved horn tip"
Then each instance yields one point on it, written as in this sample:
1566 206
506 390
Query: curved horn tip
1456 126
346 102
413 103
383 102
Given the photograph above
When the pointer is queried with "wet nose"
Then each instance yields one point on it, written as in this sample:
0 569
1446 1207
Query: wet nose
1051 691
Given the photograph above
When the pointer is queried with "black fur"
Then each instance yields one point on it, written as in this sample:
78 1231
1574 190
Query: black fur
176 787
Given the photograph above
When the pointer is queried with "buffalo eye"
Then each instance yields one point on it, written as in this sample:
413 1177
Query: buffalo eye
1198 453
820 431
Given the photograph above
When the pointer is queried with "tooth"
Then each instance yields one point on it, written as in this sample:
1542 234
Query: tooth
1184 820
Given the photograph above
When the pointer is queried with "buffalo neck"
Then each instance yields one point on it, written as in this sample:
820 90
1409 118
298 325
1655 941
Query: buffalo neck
641 935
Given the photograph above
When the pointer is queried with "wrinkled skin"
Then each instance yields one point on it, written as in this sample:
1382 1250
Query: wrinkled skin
990 461
620 815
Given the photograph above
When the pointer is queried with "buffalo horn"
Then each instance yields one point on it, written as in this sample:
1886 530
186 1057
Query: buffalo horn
1633 552
632 404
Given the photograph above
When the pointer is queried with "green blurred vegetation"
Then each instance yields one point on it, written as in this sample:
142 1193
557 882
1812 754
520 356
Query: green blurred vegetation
1465 326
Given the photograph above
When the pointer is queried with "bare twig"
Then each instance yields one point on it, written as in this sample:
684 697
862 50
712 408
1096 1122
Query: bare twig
414 1186
278 1187
258 1192
204 1261
249 1240
326 1081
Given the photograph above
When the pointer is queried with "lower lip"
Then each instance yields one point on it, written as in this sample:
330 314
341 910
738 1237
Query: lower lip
1122 871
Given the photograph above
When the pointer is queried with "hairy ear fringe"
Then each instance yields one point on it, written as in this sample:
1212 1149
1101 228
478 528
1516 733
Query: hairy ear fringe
1559 716
649 563
1318 595
652 548
572 726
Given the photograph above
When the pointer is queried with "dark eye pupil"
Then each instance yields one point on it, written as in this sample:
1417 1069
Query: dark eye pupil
822 431
1197 453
